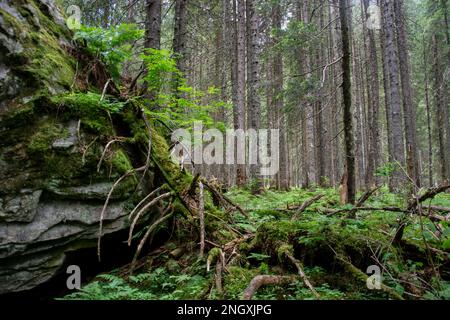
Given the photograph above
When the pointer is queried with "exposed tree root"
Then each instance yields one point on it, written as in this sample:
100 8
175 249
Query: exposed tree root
165 216
151 194
144 210
102 214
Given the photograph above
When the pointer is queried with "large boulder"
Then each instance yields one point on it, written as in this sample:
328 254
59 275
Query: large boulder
52 189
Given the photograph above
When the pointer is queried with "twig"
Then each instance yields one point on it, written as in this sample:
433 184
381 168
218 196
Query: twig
104 89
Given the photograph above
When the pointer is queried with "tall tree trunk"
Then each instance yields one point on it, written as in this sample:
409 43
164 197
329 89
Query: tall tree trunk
153 24
427 105
347 103
409 110
387 100
180 34
374 106
239 108
253 102
336 37
440 110
152 33
279 102
309 112
398 154
319 118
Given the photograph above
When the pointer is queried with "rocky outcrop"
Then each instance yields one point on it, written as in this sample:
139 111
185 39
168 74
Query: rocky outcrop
51 189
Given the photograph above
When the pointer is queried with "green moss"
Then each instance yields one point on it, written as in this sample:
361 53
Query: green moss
65 167
90 108
121 162
237 280
42 140
42 56
21 116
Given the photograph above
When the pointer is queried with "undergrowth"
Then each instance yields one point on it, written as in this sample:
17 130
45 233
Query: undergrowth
315 238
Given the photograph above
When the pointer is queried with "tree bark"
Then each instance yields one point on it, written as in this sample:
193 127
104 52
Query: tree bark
347 103
279 102
374 106
398 153
239 108
409 109
253 102
153 24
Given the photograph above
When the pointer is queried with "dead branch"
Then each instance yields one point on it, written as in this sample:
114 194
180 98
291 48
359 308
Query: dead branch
331 212
105 88
237 241
440 209
302 274
264 280
429 194
223 198
306 204
366 196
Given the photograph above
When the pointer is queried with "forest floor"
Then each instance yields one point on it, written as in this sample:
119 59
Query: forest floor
314 254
